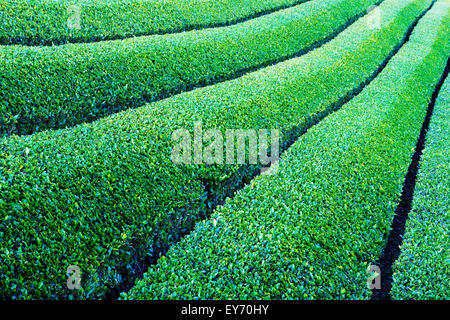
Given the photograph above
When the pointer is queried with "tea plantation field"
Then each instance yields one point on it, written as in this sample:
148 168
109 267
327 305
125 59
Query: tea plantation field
270 149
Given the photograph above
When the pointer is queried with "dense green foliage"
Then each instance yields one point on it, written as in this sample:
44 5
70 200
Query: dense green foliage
105 194
36 22
56 87
422 271
311 230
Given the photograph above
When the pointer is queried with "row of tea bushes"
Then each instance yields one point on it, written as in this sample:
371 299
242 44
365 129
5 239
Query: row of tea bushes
311 230
47 22
422 271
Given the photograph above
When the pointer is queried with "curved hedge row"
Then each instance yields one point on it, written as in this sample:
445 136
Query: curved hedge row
311 230
106 194
42 88
422 270
47 22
